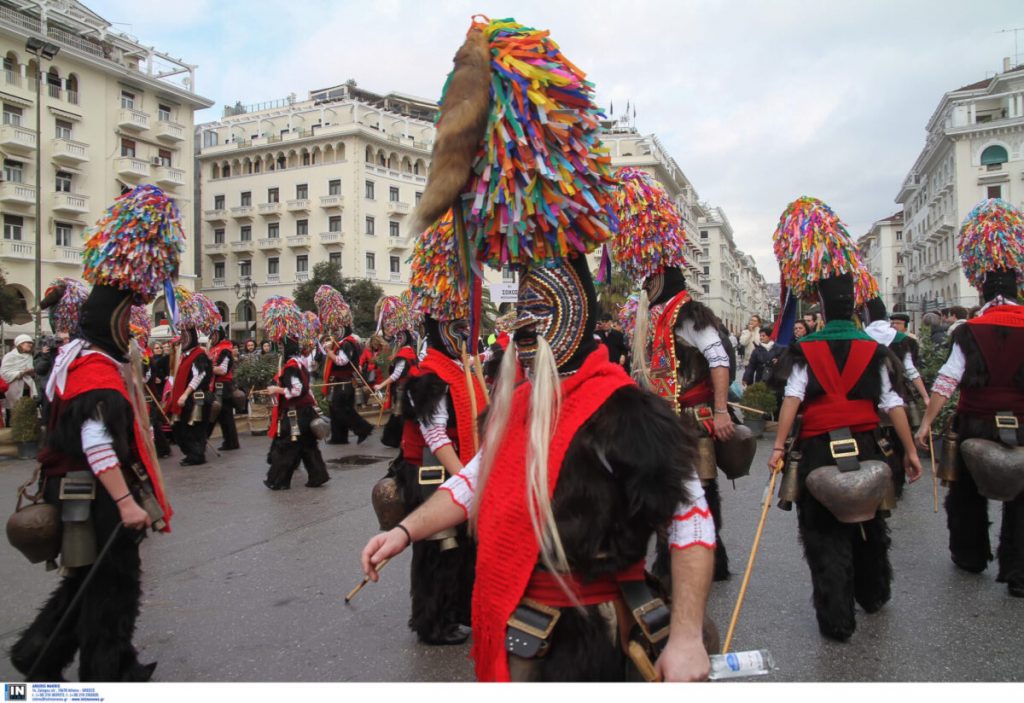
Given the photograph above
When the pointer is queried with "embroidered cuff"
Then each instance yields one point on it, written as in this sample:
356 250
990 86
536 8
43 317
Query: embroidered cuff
944 385
461 491
101 458
692 525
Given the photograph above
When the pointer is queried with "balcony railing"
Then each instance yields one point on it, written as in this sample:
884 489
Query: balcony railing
242 245
17 193
70 152
270 243
170 131
268 209
301 276
332 201
128 118
299 205
398 208
70 255
218 214
371 274
167 176
329 238
273 278
299 240
215 246
130 167
16 138
12 77
242 211
71 203
17 249
220 283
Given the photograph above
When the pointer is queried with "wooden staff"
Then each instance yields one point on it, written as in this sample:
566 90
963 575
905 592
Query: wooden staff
749 410
480 377
168 420
643 662
366 580
472 397
935 475
753 554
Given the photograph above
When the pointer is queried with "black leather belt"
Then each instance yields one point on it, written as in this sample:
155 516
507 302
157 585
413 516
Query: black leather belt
650 612
844 449
1006 426
528 631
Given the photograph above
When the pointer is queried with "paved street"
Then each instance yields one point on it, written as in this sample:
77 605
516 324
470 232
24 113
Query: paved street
250 587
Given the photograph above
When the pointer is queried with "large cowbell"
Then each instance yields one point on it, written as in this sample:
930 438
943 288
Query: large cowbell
387 503
997 469
852 496
735 455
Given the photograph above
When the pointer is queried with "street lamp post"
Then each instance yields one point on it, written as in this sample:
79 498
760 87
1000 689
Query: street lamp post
246 290
41 50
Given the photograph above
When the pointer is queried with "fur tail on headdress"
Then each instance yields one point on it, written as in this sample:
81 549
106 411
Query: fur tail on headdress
460 129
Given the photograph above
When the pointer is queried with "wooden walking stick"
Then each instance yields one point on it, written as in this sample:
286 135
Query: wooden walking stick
478 370
753 554
744 408
366 580
935 475
472 397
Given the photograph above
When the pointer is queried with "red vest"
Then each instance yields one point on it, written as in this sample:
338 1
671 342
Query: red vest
216 355
833 410
1000 337
305 399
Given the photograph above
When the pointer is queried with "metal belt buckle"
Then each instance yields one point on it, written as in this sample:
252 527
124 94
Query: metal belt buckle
544 611
703 413
1007 422
75 489
199 396
650 607
431 475
836 447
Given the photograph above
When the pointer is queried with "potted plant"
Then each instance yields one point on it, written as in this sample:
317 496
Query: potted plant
758 396
25 427
256 373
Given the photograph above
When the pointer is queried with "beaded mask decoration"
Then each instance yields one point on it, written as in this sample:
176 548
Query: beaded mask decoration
454 336
552 304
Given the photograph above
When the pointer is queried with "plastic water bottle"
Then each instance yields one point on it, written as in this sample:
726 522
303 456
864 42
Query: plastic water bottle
756 662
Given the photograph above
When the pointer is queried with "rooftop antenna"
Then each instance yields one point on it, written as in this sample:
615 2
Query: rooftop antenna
1016 43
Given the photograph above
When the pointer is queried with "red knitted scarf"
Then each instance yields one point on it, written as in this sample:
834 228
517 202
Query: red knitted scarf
215 354
182 378
1002 315
93 372
508 551
455 376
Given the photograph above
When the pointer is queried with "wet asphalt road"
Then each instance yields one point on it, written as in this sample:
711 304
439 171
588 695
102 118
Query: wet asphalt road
250 587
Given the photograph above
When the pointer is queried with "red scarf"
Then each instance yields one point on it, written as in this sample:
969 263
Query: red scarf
664 364
508 551
834 410
215 353
454 375
182 378
93 372
1002 315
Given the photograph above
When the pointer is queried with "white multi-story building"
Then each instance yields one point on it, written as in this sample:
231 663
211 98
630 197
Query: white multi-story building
112 114
289 184
883 252
974 150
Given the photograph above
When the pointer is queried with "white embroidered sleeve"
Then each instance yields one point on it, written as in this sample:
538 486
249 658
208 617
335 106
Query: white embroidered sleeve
796 384
707 340
340 358
462 486
435 431
951 372
397 373
909 368
98 446
294 389
889 399
197 378
692 524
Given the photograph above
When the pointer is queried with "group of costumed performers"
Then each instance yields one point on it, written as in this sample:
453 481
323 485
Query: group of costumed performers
191 402
341 373
395 322
294 438
839 382
440 402
691 361
578 466
223 360
987 366
98 466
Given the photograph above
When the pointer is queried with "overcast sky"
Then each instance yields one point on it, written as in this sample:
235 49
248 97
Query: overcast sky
759 102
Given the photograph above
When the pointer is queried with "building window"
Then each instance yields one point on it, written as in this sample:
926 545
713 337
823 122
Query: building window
13 171
396 265
994 192
127 100
62 233
301 228
63 184
246 233
305 158
12 115
419 197
704 234
899 235
273 266
301 191
13 225
128 148
163 113
706 288
369 190
63 129
273 195
218 236
302 264
245 268
334 259
218 270
393 229
246 199
334 187
274 230
164 157
334 223
371 263
210 138
393 194
218 202
994 155
370 226
707 270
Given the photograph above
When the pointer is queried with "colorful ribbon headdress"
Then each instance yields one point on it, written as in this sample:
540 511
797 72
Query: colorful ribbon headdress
437 283
991 238
196 311
282 318
64 299
651 234
335 313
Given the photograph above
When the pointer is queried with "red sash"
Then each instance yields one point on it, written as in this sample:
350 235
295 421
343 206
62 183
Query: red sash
182 378
664 364
455 376
507 549
834 410
545 589
215 355
93 372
